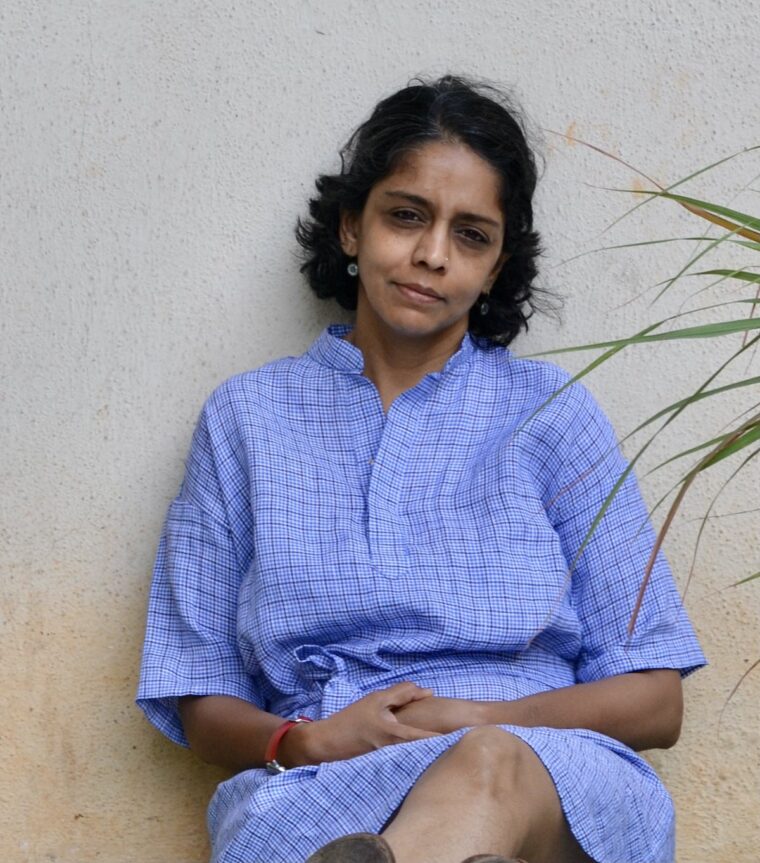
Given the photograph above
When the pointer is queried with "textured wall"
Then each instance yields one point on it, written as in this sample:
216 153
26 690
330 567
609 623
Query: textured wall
153 158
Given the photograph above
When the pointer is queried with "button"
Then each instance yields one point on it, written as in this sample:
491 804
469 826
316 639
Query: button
371 461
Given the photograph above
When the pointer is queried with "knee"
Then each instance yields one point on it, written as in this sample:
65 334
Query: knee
491 759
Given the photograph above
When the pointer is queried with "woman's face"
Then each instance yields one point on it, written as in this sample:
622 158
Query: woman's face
428 242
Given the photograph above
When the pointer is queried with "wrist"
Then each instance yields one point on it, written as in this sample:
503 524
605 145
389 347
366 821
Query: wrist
486 715
296 747
278 756
499 713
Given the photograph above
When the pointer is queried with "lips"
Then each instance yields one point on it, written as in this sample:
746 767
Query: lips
422 292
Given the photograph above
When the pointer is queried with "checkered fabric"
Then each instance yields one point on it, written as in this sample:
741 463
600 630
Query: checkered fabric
320 549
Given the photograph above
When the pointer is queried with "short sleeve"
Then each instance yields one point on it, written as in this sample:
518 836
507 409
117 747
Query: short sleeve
190 643
585 466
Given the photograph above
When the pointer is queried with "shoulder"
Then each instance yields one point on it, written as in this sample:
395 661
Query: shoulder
256 391
548 395
554 421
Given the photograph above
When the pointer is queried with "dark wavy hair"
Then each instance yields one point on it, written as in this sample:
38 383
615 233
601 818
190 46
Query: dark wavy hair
450 108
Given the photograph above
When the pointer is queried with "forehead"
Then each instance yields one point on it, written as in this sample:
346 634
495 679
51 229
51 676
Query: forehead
450 176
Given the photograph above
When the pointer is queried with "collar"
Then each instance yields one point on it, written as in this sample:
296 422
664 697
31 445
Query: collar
330 349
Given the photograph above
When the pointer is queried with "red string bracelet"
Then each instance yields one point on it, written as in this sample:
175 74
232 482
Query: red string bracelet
272 765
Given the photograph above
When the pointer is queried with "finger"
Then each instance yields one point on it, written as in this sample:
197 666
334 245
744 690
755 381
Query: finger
403 693
421 693
407 684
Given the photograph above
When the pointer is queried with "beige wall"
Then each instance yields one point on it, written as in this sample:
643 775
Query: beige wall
153 158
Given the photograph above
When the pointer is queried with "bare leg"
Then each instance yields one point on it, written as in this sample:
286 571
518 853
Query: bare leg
489 793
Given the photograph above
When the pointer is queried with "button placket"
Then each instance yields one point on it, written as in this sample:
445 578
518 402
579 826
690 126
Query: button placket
386 532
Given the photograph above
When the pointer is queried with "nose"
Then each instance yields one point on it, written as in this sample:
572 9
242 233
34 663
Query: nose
432 250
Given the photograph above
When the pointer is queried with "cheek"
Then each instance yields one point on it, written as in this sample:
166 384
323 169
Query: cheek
473 277
384 252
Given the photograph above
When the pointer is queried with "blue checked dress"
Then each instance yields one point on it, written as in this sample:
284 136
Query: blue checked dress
319 550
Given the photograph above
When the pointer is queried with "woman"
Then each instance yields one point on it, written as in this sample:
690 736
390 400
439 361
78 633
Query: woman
388 536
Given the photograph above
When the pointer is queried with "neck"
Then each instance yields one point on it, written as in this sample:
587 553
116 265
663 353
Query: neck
396 363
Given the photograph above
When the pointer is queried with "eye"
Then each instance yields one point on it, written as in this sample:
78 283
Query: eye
406 215
474 236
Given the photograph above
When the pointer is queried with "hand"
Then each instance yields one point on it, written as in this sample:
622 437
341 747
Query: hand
441 714
368 724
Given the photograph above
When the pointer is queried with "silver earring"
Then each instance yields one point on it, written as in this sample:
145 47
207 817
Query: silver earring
353 269
484 306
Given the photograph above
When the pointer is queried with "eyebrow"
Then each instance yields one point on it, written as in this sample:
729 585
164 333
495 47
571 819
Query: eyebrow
423 202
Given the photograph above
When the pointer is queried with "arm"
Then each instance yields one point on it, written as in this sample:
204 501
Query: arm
642 709
233 733
230 732
572 449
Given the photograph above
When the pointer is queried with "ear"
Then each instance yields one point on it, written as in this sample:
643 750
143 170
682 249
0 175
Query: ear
348 232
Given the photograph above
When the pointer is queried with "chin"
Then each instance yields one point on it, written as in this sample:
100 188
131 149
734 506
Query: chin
415 329
411 323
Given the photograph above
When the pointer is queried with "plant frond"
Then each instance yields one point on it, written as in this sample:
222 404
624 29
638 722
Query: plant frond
700 532
752 577
736 687
686 483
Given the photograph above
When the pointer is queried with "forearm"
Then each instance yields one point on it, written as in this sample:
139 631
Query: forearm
232 733
641 709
